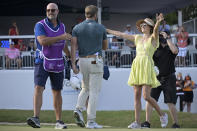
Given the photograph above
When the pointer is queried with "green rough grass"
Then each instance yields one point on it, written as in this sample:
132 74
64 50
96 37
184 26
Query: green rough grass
115 119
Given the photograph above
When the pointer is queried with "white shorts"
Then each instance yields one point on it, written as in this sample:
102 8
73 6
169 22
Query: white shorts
182 52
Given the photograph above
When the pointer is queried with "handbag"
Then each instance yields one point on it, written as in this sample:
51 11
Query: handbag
106 72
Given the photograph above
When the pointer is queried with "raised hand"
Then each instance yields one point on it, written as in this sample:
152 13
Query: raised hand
160 17
164 34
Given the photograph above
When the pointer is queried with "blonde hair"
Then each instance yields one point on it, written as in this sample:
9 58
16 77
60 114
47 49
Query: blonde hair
90 11
179 74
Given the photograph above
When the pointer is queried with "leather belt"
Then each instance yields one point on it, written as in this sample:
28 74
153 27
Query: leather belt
91 56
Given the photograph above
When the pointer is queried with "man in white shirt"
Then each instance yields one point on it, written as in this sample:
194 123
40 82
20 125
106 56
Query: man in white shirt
128 30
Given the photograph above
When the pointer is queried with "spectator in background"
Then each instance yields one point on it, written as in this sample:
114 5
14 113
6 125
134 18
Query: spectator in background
179 89
189 85
21 46
128 30
164 27
182 38
13 30
12 55
114 55
31 46
129 43
114 44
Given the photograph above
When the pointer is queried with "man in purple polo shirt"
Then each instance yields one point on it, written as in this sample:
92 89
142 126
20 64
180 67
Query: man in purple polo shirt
50 39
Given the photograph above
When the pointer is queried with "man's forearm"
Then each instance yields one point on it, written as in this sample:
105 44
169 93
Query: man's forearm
172 47
49 40
73 52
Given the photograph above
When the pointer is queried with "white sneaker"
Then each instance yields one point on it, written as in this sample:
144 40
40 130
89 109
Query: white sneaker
93 125
78 116
60 125
134 125
164 120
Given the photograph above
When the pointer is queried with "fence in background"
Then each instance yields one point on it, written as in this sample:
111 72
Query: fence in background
24 61
118 56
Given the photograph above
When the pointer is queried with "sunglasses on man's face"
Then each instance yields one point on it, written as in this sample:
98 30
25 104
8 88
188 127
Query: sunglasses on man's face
143 25
52 10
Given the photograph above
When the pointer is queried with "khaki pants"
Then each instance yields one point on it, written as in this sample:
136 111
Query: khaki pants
91 84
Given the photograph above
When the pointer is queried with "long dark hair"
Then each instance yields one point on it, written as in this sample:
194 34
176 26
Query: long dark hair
151 29
188 76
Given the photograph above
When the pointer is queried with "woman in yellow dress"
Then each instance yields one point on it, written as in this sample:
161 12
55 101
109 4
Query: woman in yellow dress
142 75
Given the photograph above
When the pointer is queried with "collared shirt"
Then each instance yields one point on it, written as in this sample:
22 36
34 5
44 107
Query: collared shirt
40 31
90 36
164 59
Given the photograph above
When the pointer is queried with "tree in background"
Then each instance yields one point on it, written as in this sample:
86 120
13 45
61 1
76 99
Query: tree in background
172 18
189 13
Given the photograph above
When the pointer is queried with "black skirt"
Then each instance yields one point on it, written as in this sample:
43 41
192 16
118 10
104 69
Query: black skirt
188 96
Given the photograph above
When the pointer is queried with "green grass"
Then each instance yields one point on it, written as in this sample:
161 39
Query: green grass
25 128
115 119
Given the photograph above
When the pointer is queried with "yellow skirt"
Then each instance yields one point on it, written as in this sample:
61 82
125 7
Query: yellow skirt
142 73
